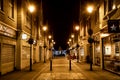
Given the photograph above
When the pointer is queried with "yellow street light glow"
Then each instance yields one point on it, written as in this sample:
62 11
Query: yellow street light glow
114 6
77 28
72 35
49 36
31 8
44 28
52 40
70 40
90 9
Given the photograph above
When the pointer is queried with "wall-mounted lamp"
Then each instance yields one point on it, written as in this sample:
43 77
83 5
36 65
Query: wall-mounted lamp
24 36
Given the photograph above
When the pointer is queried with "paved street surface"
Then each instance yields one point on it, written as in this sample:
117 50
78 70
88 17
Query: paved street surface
60 71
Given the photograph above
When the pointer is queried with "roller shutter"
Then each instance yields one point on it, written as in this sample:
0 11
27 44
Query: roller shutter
25 56
7 58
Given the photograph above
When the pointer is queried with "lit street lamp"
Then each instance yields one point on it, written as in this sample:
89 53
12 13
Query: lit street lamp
90 32
31 40
49 37
77 30
72 36
44 29
50 53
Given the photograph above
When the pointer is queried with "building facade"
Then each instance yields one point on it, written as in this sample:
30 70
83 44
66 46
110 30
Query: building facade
17 25
106 45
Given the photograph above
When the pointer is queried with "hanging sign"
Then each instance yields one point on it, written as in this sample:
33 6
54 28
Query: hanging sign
113 26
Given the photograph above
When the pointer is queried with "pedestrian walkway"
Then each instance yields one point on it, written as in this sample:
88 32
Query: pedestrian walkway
60 71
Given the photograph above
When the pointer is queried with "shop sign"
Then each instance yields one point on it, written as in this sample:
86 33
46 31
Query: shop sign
7 31
113 26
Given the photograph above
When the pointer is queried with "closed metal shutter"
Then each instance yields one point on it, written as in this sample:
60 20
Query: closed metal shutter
7 58
25 56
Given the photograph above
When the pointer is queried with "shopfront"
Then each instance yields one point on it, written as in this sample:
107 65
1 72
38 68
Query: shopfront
7 58
96 53
111 53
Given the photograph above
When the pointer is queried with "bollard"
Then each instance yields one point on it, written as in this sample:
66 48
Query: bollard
50 64
70 64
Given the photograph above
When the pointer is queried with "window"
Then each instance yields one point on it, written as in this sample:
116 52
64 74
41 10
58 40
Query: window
105 7
1 5
110 5
11 8
97 16
28 21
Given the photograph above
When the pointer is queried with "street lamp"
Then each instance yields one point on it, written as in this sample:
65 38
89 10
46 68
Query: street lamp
49 37
44 29
31 9
50 53
90 32
77 30
72 36
90 9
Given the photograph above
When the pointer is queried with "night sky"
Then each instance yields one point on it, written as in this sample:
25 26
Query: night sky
60 16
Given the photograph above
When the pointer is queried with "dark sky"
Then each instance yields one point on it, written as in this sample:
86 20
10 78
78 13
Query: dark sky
60 16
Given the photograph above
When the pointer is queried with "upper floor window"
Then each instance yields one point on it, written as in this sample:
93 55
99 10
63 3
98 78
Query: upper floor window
96 16
28 21
105 3
1 5
11 8
108 6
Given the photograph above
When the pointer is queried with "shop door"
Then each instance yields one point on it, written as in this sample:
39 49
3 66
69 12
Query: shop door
7 58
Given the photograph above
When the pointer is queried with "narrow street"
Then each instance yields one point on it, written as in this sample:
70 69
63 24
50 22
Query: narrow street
60 71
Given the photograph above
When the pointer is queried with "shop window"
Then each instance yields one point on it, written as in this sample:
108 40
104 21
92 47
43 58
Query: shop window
1 5
117 51
11 8
112 61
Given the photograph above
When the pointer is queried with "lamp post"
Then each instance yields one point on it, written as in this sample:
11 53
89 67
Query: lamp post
72 36
44 29
90 32
68 51
31 9
77 29
50 53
